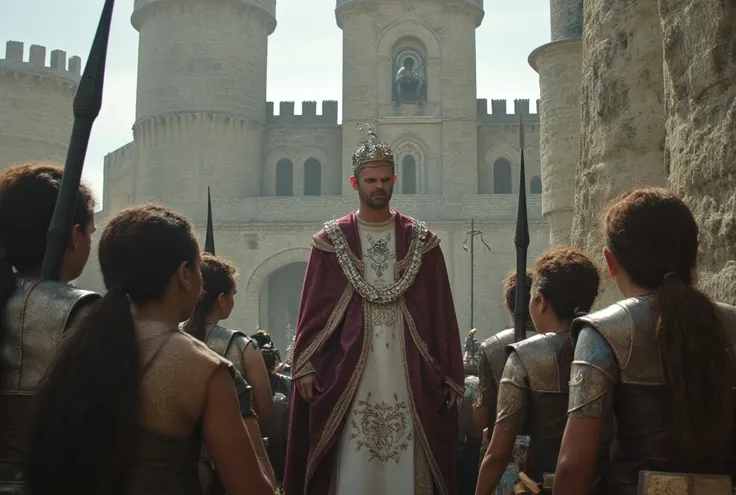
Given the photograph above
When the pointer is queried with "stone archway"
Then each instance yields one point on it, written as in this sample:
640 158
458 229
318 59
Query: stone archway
279 302
274 288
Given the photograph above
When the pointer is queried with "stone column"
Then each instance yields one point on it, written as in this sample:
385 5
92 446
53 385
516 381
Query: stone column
700 152
622 118
559 64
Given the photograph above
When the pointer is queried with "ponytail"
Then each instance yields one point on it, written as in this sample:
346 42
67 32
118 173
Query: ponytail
698 360
196 326
85 429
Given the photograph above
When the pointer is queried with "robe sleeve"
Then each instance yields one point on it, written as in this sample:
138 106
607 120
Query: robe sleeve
324 292
445 323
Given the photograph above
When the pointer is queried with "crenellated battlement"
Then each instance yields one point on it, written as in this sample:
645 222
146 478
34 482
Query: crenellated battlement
499 112
308 116
122 154
58 65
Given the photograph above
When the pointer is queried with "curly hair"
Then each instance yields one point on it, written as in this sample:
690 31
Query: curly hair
568 280
509 289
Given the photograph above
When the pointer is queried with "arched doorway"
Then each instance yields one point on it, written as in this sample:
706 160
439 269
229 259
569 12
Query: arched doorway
279 303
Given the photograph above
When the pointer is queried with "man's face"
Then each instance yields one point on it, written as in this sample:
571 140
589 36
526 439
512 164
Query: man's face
375 185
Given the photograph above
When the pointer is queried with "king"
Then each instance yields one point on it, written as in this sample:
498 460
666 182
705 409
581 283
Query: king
377 363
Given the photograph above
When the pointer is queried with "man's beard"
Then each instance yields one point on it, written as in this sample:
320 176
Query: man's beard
377 203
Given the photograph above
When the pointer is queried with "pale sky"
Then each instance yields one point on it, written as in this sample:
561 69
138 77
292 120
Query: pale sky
305 55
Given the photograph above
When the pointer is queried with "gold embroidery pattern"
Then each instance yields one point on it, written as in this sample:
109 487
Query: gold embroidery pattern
388 293
383 317
342 404
381 429
335 317
421 436
379 253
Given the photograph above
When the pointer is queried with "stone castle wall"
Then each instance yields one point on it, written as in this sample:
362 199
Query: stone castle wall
622 120
700 154
36 98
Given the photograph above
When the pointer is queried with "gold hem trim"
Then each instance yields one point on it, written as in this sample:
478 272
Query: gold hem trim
335 317
457 388
343 403
421 345
322 245
420 435
308 369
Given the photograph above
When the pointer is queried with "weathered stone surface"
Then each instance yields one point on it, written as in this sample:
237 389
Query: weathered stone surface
622 117
558 64
700 99
656 483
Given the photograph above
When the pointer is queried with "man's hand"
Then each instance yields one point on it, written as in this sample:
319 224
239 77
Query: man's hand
308 387
451 396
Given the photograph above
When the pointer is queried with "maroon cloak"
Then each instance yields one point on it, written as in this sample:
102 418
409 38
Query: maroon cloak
330 343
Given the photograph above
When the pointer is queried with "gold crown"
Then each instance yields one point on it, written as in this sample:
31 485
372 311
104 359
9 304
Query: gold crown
371 150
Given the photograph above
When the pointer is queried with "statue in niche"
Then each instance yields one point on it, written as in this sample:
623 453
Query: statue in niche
409 84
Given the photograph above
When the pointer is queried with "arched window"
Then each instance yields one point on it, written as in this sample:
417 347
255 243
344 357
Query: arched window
408 177
284 178
535 185
502 176
312 177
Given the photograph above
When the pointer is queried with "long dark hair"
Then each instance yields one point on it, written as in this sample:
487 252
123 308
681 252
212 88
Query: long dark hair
654 237
218 277
27 200
86 426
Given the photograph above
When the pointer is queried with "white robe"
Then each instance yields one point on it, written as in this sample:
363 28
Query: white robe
375 453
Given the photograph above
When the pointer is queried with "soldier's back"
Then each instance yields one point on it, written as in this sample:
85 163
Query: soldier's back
34 321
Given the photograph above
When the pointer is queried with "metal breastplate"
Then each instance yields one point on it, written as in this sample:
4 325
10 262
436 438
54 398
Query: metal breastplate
33 323
224 342
643 404
495 350
547 359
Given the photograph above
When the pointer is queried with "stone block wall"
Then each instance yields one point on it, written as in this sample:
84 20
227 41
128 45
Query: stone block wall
36 96
700 155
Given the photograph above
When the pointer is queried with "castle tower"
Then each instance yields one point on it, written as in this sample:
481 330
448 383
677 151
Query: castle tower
36 104
559 67
201 101
430 118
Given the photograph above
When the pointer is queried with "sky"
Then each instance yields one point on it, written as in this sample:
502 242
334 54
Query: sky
307 37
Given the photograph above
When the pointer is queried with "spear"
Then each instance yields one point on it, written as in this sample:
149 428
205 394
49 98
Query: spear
87 104
521 241
209 240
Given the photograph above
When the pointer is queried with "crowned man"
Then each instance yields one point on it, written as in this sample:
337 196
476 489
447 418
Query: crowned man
377 363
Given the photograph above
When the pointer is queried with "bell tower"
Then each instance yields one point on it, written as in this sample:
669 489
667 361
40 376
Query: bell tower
409 68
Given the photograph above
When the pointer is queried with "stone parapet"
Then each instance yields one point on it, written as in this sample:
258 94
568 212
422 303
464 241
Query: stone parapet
308 116
499 113
58 65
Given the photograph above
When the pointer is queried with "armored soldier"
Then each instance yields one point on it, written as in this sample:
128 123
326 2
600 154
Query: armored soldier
215 303
662 361
36 313
533 390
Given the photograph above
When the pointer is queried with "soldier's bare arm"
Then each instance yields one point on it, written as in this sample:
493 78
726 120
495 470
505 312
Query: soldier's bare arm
229 443
593 378
257 376
513 400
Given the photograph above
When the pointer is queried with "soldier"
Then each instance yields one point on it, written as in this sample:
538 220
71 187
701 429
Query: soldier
36 313
661 360
493 355
491 361
533 391
276 426
130 397
215 303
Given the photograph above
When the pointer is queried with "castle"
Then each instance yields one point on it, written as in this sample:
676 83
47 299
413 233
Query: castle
276 175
